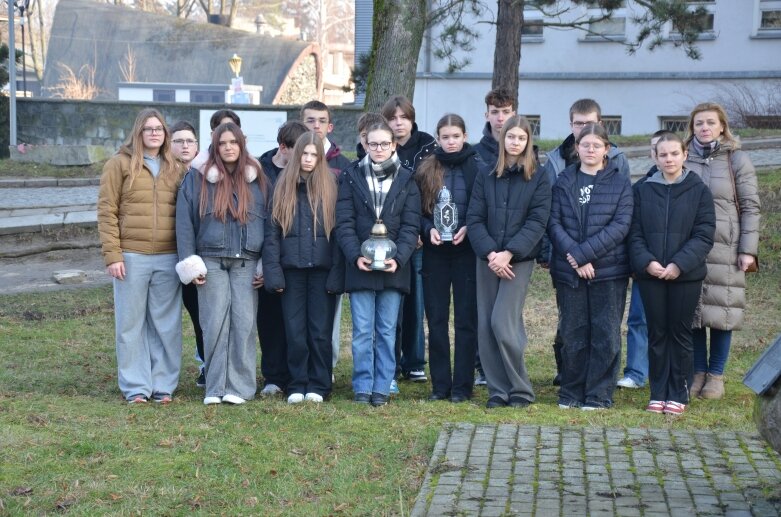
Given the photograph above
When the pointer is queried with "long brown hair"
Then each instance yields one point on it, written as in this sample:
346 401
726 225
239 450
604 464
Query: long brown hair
528 161
230 183
320 188
134 146
726 136
430 174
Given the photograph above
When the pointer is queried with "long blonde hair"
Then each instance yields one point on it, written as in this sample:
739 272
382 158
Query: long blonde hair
320 189
528 160
134 147
724 138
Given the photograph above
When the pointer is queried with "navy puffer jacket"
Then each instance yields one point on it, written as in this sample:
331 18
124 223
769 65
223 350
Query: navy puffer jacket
672 223
602 240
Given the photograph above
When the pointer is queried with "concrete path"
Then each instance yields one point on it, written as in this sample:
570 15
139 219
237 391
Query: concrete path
497 470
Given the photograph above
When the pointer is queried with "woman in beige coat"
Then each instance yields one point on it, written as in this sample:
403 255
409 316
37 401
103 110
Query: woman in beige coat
715 156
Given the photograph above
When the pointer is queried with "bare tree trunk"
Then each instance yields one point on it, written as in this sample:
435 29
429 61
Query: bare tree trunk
232 16
507 53
397 29
36 44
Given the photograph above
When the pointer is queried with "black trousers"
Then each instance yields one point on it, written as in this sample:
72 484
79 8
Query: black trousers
669 311
440 272
308 312
271 333
190 301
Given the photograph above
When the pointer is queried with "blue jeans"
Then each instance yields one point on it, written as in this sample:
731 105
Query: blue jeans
720 341
374 316
636 339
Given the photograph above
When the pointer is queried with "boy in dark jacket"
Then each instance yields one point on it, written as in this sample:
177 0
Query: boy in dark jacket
316 116
411 147
499 106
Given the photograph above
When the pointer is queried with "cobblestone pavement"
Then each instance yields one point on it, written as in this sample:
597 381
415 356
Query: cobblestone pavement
497 470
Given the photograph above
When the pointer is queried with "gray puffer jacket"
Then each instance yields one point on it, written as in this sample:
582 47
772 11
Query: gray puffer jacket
724 289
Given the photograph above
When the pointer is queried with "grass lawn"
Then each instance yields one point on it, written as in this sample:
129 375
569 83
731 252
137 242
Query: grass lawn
68 442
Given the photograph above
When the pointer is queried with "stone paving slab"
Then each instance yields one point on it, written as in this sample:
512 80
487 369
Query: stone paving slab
529 470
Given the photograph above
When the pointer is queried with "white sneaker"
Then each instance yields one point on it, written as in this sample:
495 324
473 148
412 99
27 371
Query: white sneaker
233 399
295 398
313 397
628 382
270 390
212 400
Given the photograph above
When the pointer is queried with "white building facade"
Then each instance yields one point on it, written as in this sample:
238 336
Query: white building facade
638 93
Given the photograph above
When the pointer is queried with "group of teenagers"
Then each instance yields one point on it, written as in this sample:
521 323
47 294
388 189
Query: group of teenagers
265 248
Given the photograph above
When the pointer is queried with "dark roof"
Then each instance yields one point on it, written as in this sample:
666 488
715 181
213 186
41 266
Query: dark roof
167 49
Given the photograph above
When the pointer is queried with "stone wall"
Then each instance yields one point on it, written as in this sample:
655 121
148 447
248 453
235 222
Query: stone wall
106 123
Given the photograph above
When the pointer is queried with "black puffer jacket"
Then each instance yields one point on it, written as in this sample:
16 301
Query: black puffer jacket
418 146
354 220
270 169
508 213
672 223
467 164
601 241
299 249
488 148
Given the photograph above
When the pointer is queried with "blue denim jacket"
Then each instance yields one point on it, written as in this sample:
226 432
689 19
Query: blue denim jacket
208 236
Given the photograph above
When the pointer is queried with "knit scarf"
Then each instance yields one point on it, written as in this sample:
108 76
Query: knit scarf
705 150
379 177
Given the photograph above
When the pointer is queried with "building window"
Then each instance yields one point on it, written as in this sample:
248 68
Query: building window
534 122
676 124
770 20
612 29
164 95
612 124
708 21
207 97
531 31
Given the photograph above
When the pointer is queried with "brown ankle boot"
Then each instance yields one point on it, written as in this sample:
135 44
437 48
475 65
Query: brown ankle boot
697 383
714 387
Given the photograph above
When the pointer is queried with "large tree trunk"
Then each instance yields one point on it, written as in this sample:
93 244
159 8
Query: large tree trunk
397 34
507 54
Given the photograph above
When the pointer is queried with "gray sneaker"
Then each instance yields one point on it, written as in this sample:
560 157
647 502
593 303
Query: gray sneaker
269 390
480 379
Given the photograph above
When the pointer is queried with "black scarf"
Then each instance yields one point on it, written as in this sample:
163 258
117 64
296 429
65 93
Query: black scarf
454 159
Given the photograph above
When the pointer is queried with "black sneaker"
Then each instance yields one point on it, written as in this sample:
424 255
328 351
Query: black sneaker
201 380
378 399
416 376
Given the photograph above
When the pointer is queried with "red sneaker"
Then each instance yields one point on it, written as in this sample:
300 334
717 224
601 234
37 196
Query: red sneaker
673 408
655 406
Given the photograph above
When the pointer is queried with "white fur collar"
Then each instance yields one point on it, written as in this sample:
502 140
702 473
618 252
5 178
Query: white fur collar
213 175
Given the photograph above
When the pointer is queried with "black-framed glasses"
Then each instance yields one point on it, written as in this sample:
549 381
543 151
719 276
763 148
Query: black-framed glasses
152 130
184 141
379 145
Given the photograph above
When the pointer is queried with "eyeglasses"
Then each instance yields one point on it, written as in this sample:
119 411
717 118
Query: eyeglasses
595 147
381 145
153 130
581 124
183 141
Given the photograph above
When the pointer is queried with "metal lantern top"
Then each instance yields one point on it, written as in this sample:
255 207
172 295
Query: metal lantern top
235 64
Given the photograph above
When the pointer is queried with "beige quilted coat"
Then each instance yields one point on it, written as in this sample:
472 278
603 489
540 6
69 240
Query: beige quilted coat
724 289
136 214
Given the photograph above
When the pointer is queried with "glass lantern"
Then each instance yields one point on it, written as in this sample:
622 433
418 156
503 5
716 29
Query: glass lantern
378 248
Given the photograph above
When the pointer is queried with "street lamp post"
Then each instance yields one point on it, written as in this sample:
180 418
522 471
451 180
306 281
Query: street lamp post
23 6
11 76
